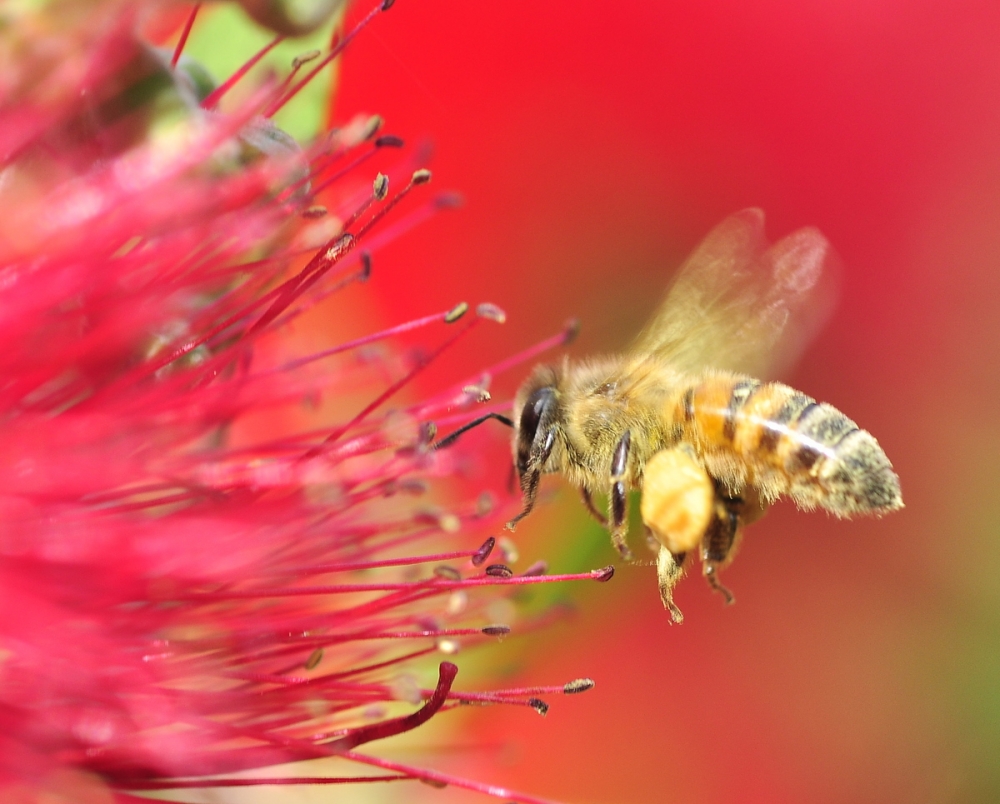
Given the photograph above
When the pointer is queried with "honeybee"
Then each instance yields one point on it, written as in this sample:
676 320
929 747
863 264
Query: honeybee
681 417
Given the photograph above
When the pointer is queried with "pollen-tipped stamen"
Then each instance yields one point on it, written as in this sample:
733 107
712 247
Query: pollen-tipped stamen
213 98
337 48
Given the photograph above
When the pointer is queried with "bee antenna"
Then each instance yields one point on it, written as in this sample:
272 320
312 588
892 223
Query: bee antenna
451 438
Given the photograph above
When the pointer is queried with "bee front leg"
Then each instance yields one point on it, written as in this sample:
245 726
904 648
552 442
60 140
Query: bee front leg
591 508
541 448
619 497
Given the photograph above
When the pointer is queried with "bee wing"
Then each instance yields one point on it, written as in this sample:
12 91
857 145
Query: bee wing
741 304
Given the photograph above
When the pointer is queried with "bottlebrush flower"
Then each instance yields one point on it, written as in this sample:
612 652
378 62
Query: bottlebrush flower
186 592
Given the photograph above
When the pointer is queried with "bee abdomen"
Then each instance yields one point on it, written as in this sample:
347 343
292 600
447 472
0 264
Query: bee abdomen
785 442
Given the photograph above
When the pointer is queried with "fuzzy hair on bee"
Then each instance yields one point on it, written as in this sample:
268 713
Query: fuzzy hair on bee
682 417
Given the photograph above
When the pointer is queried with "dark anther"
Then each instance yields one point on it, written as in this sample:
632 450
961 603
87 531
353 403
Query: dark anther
539 706
480 556
366 266
603 574
389 141
499 571
578 685
496 630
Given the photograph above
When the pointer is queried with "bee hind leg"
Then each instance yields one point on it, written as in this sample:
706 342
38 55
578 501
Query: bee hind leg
669 569
711 574
618 498
718 545
678 498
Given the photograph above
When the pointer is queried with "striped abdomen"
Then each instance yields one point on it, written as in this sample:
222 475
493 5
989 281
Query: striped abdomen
785 442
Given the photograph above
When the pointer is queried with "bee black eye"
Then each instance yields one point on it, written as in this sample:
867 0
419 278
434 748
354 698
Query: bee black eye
531 416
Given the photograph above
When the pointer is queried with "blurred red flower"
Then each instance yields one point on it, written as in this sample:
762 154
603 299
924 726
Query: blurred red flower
184 591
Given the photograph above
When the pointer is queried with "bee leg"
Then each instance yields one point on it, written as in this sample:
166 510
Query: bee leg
677 506
717 548
678 500
591 509
669 569
619 497
541 448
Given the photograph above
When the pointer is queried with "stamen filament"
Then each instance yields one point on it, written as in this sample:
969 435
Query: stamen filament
435 584
185 32
335 51
213 97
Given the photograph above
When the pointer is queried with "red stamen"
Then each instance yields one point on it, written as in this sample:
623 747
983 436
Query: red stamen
567 336
388 728
446 780
379 190
350 166
413 218
405 561
571 688
175 561
446 400
399 329
333 252
435 584
282 781
389 392
335 51
213 98
189 23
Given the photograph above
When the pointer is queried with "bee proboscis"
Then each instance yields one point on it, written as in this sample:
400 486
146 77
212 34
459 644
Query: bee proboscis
681 416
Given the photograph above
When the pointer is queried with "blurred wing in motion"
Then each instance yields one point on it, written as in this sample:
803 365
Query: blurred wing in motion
741 304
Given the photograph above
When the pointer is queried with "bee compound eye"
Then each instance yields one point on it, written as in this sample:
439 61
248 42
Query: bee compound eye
531 416
531 413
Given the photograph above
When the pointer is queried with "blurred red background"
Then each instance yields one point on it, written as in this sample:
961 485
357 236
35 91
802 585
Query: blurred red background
595 144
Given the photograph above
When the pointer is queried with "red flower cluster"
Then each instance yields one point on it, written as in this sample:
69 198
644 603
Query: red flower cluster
181 594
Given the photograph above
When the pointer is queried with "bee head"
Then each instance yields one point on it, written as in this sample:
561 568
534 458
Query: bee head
535 415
